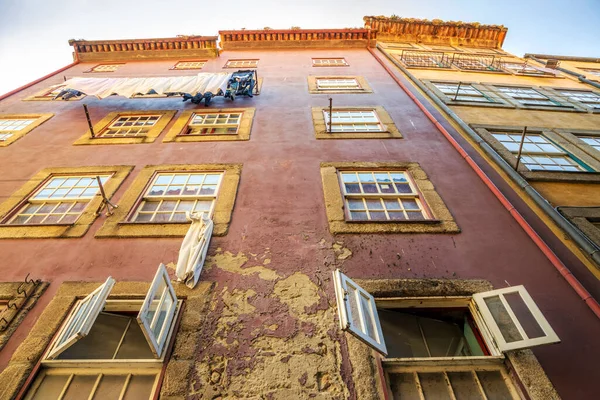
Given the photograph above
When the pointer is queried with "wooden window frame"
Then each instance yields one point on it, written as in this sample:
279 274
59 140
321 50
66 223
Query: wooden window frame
176 132
317 65
131 218
76 229
416 195
487 91
153 132
441 222
118 225
94 69
176 67
363 85
390 130
39 119
254 63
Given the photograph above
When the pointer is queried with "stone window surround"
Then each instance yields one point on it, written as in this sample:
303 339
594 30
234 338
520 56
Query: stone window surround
321 132
83 223
16 135
153 132
118 224
180 125
505 101
581 217
554 135
315 65
93 69
443 221
362 82
184 341
365 361
8 292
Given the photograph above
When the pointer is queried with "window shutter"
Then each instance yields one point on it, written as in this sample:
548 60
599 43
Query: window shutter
81 319
158 310
357 312
513 319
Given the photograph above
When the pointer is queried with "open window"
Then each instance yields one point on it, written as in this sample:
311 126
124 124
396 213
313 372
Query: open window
110 348
488 323
357 312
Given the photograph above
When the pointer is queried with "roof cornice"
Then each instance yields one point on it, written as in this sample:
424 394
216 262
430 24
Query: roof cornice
295 38
132 49
436 31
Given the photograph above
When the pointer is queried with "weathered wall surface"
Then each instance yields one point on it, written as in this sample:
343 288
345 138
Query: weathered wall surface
272 328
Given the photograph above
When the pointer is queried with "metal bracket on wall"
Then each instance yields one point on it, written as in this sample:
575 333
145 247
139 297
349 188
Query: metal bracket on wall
105 201
24 292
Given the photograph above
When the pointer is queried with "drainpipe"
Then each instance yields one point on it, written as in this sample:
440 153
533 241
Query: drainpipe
581 78
581 240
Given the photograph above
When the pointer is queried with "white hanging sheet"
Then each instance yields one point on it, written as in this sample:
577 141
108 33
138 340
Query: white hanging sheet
128 87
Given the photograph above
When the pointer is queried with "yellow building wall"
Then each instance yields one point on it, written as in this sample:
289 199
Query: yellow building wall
557 193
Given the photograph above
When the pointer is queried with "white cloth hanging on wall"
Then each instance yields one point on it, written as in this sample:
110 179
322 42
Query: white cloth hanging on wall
192 253
128 87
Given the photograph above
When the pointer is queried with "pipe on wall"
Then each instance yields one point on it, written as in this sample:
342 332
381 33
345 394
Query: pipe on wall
559 219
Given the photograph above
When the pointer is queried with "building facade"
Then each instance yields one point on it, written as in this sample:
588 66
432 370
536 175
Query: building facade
362 246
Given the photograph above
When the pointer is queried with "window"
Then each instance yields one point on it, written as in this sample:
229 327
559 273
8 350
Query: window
362 197
189 65
538 152
381 196
462 92
338 84
226 124
483 51
51 93
595 72
156 203
529 97
105 68
58 202
130 125
329 62
424 59
593 141
171 195
85 359
15 126
61 200
522 68
8 126
587 98
443 48
464 337
353 121
241 64
214 124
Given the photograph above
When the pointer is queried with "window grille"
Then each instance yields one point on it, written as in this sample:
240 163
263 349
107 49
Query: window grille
424 59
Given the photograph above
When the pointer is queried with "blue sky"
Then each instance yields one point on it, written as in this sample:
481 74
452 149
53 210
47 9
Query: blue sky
34 33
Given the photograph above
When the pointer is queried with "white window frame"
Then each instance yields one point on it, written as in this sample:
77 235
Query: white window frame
158 343
242 63
476 304
550 336
341 283
81 319
191 125
576 95
466 92
337 83
327 118
144 129
183 65
147 197
106 67
327 62
595 141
